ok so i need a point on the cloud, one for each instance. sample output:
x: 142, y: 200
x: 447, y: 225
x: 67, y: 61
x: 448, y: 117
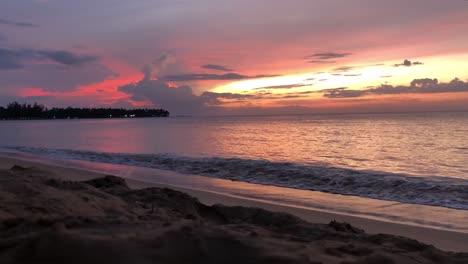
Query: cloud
x: 291, y: 96
x: 328, y: 55
x: 211, y: 98
x: 3, y: 38
x: 341, y: 92
x: 53, y: 77
x: 159, y: 93
x: 344, y: 68
x: 217, y: 67
x: 294, y: 95
x: 11, y: 59
x: 67, y: 58
x: 286, y: 86
x: 417, y: 86
x: 176, y: 99
x: 352, y: 75
x: 162, y: 63
x: 203, y: 76
x: 408, y: 63
x: 17, y: 24
x: 320, y: 62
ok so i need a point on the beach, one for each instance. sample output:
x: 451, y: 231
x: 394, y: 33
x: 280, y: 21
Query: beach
x: 233, y: 132
x: 32, y: 171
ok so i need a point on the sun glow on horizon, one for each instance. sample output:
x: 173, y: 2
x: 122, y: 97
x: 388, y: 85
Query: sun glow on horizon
x: 356, y: 77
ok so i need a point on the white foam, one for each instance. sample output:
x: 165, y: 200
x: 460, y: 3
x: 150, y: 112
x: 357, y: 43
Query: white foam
x: 436, y: 191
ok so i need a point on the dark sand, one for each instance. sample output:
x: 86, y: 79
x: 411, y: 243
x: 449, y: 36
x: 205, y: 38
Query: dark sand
x: 45, y: 219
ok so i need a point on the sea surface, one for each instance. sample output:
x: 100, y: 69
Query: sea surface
x: 413, y: 158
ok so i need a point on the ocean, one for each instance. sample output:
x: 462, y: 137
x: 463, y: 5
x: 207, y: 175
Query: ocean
x: 409, y: 158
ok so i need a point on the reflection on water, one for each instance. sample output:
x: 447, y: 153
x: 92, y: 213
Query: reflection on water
x: 421, y: 144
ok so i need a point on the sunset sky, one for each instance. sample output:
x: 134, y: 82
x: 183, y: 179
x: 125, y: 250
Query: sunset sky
x: 213, y: 57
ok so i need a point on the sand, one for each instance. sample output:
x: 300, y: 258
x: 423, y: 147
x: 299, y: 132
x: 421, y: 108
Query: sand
x: 49, y: 215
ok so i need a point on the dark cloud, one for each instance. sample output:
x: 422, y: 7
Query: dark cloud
x: 328, y: 55
x: 211, y: 98
x: 18, y: 58
x: 67, y: 58
x: 386, y: 76
x: 10, y: 59
x: 217, y: 67
x: 295, y: 95
x: 53, y: 77
x: 320, y: 62
x: 341, y: 92
x: 3, y: 38
x: 286, y: 86
x: 344, y: 68
x: 178, y: 99
x: 291, y: 96
x: 182, y: 100
x: 417, y: 86
x: 17, y: 24
x: 408, y: 63
x: 203, y: 76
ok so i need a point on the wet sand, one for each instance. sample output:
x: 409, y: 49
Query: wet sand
x: 34, y: 177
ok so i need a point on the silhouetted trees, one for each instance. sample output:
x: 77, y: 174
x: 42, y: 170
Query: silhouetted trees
x: 15, y: 110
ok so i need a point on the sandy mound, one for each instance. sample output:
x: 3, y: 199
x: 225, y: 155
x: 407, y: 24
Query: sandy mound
x: 47, y: 220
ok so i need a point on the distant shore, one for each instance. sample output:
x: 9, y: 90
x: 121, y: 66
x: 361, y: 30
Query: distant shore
x: 83, y: 118
x: 25, y: 111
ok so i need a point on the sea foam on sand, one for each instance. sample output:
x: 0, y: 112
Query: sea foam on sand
x: 46, y: 219
x: 435, y: 190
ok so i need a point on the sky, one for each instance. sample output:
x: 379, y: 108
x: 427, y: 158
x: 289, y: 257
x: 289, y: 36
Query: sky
x: 210, y: 57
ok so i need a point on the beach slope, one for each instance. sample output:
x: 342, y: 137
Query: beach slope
x: 47, y: 219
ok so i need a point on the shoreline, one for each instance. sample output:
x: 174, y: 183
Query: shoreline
x: 432, y: 217
x: 85, y: 118
x: 443, y: 239
x: 393, y: 187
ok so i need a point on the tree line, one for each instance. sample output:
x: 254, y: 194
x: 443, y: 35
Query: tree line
x: 17, y: 111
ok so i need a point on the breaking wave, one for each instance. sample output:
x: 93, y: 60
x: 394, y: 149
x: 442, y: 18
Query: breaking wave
x: 435, y: 191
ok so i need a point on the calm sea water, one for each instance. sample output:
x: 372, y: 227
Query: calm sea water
x: 416, y: 158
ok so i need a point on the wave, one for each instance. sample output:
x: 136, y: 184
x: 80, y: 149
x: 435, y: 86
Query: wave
x: 435, y: 191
